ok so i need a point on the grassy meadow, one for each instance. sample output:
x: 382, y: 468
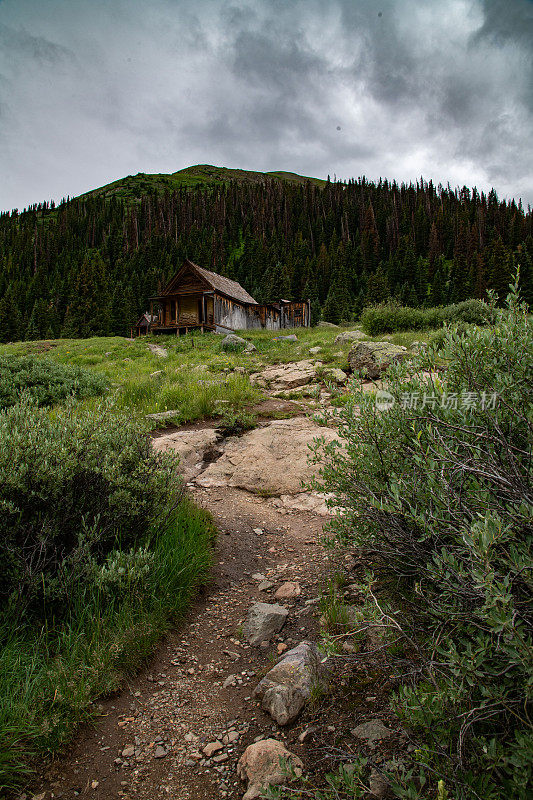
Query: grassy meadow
x: 198, y: 379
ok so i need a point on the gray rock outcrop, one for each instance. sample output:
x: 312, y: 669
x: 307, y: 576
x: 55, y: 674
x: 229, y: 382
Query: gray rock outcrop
x: 272, y: 460
x: 264, y: 620
x: 348, y: 337
x: 371, y: 359
x: 285, y: 690
x: 232, y: 342
x: 192, y: 448
x: 261, y: 765
x: 285, y: 376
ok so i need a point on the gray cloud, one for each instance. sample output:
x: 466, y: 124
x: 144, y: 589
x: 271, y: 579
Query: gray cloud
x: 92, y: 92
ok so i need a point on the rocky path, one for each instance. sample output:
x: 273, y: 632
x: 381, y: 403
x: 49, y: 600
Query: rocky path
x: 179, y: 728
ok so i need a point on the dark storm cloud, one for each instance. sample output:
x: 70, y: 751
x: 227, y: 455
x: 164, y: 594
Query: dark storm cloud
x: 93, y: 91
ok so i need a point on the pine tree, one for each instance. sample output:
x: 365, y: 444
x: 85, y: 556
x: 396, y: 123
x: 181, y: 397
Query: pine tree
x: 11, y: 324
x: 89, y: 312
x: 377, y: 289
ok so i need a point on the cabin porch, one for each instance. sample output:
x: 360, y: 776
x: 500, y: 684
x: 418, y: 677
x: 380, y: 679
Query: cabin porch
x: 180, y: 313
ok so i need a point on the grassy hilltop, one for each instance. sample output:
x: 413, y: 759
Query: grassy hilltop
x: 133, y: 187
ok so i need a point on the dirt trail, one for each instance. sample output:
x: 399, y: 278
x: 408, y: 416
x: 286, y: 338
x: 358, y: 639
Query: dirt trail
x: 148, y: 742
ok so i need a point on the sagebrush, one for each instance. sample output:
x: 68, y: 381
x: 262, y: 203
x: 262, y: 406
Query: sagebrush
x: 45, y: 381
x: 73, y: 487
x: 438, y: 493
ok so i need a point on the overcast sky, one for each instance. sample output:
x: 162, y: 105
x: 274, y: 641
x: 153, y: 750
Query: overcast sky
x: 93, y: 90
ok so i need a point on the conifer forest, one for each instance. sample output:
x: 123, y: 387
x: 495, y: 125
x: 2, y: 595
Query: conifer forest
x: 87, y: 266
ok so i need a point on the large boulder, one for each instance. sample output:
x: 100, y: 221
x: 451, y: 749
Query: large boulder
x: 271, y: 461
x: 371, y: 359
x: 233, y: 342
x: 262, y: 765
x: 326, y: 325
x: 193, y: 448
x: 285, y: 690
x: 285, y: 376
x: 348, y: 337
x: 264, y: 620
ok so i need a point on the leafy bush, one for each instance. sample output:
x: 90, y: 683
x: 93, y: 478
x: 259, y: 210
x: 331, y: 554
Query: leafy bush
x: 392, y: 318
x: 45, y: 381
x: 73, y: 488
x: 438, y: 492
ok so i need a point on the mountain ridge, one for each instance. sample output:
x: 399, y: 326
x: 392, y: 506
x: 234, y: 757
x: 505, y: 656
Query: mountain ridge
x: 133, y: 187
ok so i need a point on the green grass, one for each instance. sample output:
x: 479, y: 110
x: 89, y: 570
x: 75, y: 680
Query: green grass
x: 50, y: 677
x: 197, y: 379
x: 132, y: 187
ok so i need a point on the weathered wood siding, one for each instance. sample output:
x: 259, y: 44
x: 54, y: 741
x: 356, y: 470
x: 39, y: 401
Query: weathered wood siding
x: 188, y: 309
x: 231, y: 314
x: 295, y: 315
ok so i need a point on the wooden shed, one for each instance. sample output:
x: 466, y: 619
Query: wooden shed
x: 196, y: 298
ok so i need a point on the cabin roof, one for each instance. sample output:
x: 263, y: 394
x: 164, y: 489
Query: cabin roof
x: 225, y: 285
x: 145, y: 319
x: 219, y: 283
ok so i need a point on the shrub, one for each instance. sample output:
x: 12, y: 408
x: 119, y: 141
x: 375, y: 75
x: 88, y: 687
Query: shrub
x: 45, y: 381
x: 439, y: 494
x: 233, y: 421
x: 73, y: 488
x: 49, y: 676
x: 392, y: 318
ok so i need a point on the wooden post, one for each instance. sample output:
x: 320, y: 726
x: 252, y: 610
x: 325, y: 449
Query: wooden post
x: 151, y: 316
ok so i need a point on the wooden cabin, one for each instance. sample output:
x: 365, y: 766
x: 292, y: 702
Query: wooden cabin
x: 196, y: 298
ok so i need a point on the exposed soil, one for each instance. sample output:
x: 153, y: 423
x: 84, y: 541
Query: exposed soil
x: 180, y: 696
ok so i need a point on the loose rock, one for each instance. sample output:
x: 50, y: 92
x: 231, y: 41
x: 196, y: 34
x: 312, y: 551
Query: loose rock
x: 287, y: 687
x: 287, y: 591
x: 212, y: 748
x: 261, y: 766
x: 378, y: 785
x: 263, y: 622
x: 285, y: 376
x: 337, y: 376
x: 162, y: 352
x: 231, y: 342
x: 372, y: 731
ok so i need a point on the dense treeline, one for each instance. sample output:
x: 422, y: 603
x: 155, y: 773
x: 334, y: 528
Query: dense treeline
x: 88, y: 265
